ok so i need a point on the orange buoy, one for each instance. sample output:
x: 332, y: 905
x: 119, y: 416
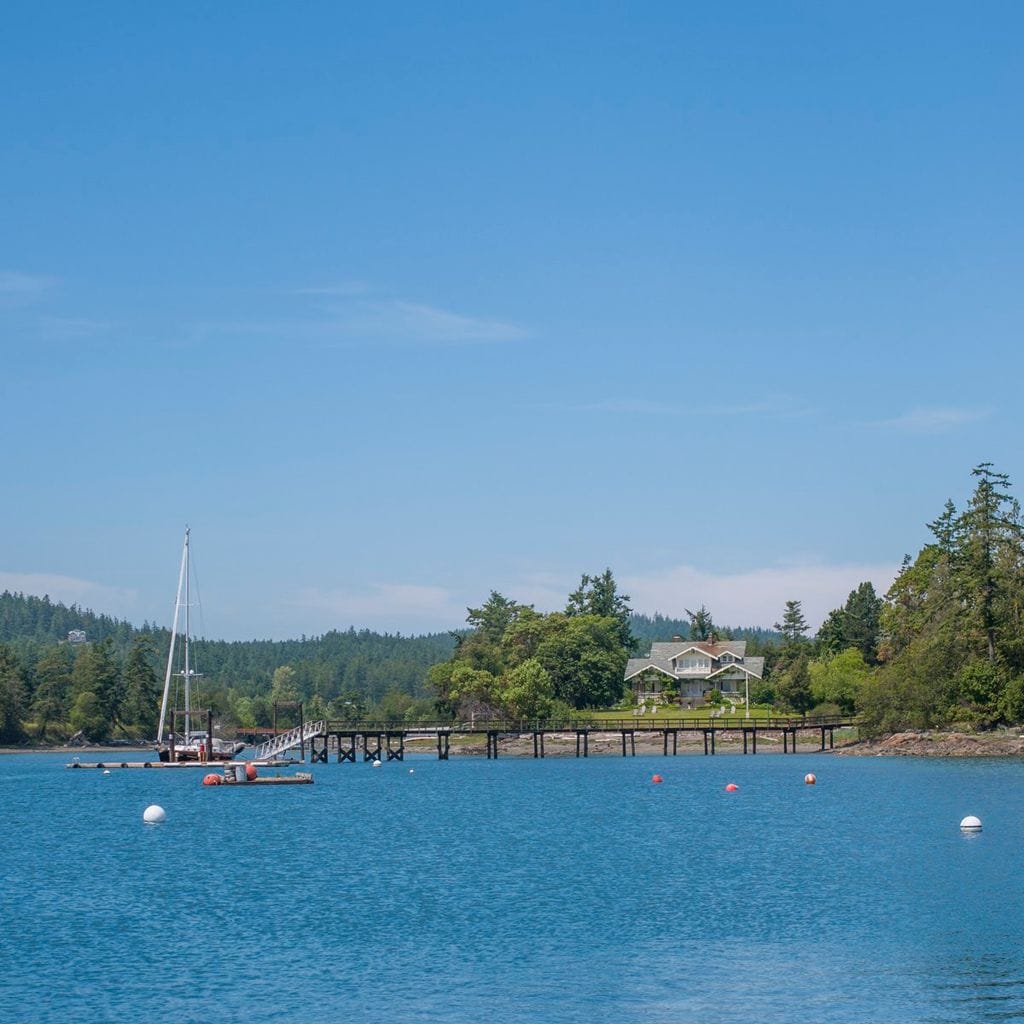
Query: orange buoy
x: 731, y: 788
x: 250, y: 771
x: 656, y: 778
x: 810, y: 779
x: 212, y: 780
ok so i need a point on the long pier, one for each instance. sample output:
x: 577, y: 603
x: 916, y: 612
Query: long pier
x: 386, y: 741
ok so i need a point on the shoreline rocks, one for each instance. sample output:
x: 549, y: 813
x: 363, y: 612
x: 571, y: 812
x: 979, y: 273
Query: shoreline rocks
x: 937, y: 743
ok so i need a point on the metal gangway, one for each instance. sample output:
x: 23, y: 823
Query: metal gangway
x: 296, y: 737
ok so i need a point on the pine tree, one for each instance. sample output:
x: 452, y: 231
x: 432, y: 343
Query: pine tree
x: 53, y: 687
x: 141, y: 686
x: 701, y: 626
x: 598, y: 595
x: 793, y: 626
x: 12, y: 697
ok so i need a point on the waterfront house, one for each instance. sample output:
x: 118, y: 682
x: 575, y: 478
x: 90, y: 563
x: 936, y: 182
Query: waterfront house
x: 691, y: 669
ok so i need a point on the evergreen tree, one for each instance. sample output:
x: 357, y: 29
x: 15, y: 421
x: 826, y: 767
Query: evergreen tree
x: 96, y: 672
x: 854, y: 625
x: 952, y: 641
x: 53, y: 688
x: 701, y: 626
x: 598, y: 595
x: 141, y: 687
x: 793, y: 626
x: 12, y: 697
x: 990, y: 540
x: 793, y: 687
x: 496, y: 615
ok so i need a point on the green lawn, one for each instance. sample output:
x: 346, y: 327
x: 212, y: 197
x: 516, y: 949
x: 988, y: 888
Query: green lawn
x: 673, y: 713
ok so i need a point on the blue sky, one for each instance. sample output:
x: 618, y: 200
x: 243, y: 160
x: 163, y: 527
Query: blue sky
x: 398, y: 305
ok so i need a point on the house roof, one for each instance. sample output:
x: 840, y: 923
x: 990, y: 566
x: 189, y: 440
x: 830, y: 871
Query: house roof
x: 668, y: 651
x: 637, y: 665
x: 751, y: 666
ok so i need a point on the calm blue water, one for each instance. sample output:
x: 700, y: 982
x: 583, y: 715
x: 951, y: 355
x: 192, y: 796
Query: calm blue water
x: 517, y: 890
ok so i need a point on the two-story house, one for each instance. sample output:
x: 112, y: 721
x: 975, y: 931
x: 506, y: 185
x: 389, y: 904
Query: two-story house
x: 692, y: 669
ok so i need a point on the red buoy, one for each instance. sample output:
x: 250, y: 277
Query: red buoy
x: 810, y: 779
x: 656, y: 778
x: 212, y: 780
x: 731, y: 788
x: 250, y: 772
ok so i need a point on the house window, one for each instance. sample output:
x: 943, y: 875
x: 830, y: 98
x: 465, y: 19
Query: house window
x: 693, y: 663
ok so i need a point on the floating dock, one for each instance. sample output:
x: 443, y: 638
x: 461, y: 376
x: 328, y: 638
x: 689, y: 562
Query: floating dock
x: 205, y: 765
x: 298, y: 779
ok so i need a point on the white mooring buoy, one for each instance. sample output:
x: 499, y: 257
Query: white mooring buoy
x: 154, y: 814
x: 376, y: 764
x: 970, y: 824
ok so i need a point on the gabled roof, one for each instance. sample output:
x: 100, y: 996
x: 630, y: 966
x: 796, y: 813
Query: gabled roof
x: 751, y: 666
x: 637, y: 665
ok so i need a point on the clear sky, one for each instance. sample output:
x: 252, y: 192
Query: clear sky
x: 398, y: 303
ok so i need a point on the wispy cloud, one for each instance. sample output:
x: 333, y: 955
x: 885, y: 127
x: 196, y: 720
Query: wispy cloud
x: 14, y: 283
x: 342, y: 289
x: 117, y: 601
x: 755, y: 597
x: 59, y: 328
x: 933, y: 421
x: 386, y: 606
x: 411, y: 321
x: 17, y: 289
x: 354, y: 320
x: 778, y: 407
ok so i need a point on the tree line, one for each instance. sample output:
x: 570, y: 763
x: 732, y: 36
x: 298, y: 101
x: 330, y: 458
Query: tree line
x: 944, y: 646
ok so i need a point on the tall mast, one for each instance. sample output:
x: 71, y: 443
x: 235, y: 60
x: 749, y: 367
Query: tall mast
x: 188, y: 674
x: 182, y: 573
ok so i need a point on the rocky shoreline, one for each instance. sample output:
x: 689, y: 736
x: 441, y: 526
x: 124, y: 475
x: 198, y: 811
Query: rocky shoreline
x: 935, y: 743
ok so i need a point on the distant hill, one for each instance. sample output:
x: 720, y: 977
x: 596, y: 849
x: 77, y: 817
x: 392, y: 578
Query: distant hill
x: 359, y: 661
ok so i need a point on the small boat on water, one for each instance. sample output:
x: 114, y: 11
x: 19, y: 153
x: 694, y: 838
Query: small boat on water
x: 190, y: 744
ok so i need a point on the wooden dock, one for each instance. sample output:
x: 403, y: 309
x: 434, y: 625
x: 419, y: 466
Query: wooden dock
x: 377, y: 741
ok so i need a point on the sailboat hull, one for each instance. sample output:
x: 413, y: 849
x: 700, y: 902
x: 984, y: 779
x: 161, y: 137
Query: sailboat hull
x: 227, y: 751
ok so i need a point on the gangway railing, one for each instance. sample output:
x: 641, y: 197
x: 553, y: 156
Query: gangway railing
x: 296, y: 737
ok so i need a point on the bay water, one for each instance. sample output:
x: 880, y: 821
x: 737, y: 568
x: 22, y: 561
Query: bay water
x: 555, y: 890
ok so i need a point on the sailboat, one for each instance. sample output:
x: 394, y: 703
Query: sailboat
x: 191, y: 744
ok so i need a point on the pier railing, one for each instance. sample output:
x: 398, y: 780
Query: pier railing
x: 284, y: 742
x: 639, y: 723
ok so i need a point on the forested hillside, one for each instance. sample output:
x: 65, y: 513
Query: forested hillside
x: 68, y: 669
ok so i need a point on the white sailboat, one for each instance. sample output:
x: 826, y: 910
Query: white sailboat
x: 191, y: 744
